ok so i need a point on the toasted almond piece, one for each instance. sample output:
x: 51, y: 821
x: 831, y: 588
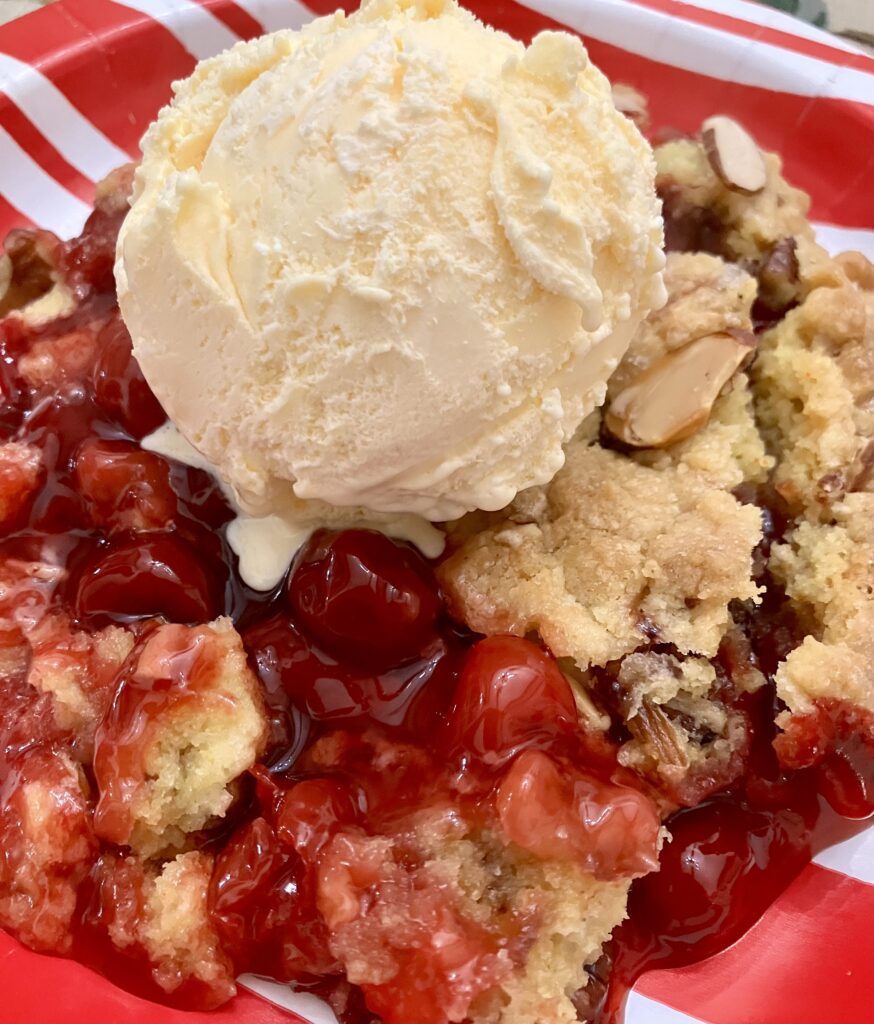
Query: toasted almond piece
x: 31, y: 268
x: 863, y: 470
x: 5, y: 275
x: 858, y: 269
x: 734, y: 155
x: 630, y: 102
x: 58, y: 301
x: 673, y: 398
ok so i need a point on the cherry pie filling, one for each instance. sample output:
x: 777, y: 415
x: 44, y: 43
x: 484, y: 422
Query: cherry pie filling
x: 380, y: 709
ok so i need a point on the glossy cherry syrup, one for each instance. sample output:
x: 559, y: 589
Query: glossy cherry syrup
x: 730, y: 857
x: 379, y: 707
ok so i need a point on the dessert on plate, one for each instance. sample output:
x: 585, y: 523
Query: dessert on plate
x: 492, y: 618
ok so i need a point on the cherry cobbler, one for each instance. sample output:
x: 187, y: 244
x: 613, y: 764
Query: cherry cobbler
x: 495, y: 788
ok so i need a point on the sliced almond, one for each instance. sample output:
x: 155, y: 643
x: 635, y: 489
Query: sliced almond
x: 652, y: 727
x: 630, y: 102
x: 858, y: 269
x: 28, y: 268
x: 734, y: 155
x: 778, y: 276
x: 673, y: 398
x: 863, y: 470
x: 5, y: 275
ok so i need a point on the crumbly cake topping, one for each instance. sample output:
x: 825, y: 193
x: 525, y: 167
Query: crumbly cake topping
x: 702, y: 213
x: 160, y: 912
x: 683, y: 735
x: 814, y: 380
x: 827, y: 569
x: 706, y: 295
x: 620, y: 554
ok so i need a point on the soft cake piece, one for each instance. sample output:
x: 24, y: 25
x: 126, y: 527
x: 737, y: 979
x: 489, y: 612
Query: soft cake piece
x: 576, y: 916
x: 618, y: 555
x: 828, y: 571
x: 814, y: 380
x: 163, y: 913
x: 185, y: 723
x: 176, y: 931
x: 79, y: 670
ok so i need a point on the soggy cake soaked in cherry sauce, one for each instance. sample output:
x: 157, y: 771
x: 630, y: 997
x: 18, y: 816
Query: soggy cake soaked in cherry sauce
x: 495, y: 788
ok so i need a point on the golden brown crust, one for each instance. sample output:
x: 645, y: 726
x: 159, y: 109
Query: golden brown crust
x: 620, y: 553
x: 814, y: 382
x: 828, y: 572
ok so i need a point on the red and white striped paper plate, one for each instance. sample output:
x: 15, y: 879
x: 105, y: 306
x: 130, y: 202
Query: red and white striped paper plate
x: 80, y: 81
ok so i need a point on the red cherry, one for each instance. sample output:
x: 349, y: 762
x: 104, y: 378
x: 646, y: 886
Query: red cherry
x: 119, y: 384
x: 21, y: 471
x: 151, y: 575
x: 243, y: 874
x: 846, y: 780
x: 364, y: 598
x: 311, y: 812
x: 124, y: 487
x: 511, y: 695
x: 407, y: 697
x: 88, y: 260
x: 262, y: 903
x: 564, y: 814
x: 725, y: 863
x: 57, y: 425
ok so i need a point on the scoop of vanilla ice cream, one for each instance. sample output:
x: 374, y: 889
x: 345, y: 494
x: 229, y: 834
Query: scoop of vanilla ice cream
x: 388, y: 261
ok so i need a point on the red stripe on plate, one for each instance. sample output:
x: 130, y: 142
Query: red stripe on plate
x: 83, y: 997
x: 240, y: 22
x: 35, y: 144
x: 321, y: 7
x: 138, y: 60
x: 114, y: 64
x: 753, y: 30
x: 809, y: 960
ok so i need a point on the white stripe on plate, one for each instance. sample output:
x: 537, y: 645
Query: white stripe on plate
x: 36, y: 194
x: 758, y: 14
x: 707, y: 51
x: 48, y: 109
x: 276, y: 14
x: 199, y: 31
x: 854, y: 857
x: 640, y: 1010
x: 838, y: 239
x: 308, y: 1006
